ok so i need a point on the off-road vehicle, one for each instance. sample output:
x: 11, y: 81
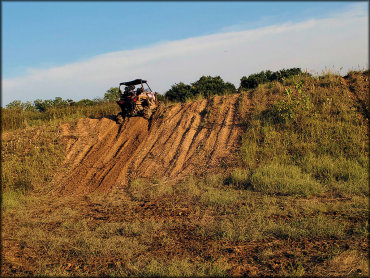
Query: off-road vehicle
x: 138, y: 101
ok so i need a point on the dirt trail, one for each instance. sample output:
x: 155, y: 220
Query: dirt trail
x: 182, y: 139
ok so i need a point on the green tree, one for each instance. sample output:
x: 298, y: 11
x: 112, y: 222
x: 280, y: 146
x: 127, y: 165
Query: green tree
x: 206, y: 86
x: 42, y: 105
x: 179, y: 92
x: 253, y: 80
x: 16, y: 104
x: 28, y: 106
x: 112, y: 94
x: 59, y: 102
x: 209, y: 86
x: 85, y: 102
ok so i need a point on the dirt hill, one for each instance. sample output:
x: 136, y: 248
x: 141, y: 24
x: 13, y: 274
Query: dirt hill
x: 182, y: 139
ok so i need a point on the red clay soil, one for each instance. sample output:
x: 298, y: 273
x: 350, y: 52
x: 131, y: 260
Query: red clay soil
x: 182, y: 139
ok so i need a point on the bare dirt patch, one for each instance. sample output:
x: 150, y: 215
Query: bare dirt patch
x: 191, y: 138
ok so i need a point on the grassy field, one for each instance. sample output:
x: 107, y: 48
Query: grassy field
x: 297, y: 205
x: 13, y: 119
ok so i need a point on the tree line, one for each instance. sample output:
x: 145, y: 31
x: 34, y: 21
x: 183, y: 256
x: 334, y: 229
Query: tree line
x: 206, y: 87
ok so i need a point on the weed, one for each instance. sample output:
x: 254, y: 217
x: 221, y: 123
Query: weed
x: 189, y: 187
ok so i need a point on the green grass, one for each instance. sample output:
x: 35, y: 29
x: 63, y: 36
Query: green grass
x: 282, y: 179
x: 306, y: 136
x: 347, y: 176
x: 239, y: 178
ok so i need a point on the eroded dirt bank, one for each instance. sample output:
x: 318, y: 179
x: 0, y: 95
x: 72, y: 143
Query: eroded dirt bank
x: 182, y: 139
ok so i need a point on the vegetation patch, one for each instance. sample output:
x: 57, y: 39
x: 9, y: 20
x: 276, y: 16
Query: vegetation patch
x: 313, y: 132
x: 29, y: 160
x: 282, y: 179
x: 206, y: 87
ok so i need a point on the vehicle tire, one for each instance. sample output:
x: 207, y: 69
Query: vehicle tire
x: 147, y: 113
x: 119, y: 119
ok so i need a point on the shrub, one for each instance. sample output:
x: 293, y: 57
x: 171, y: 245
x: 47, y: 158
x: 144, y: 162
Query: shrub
x: 209, y: 86
x: 206, y: 86
x: 295, y: 103
x: 179, y: 92
x: 253, y: 80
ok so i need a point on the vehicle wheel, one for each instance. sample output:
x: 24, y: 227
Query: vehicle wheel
x: 147, y: 113
x: 119, y: 119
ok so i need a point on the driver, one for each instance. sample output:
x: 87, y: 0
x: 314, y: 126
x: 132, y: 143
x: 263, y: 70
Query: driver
x: 131, y: 89
x: 140, y: 91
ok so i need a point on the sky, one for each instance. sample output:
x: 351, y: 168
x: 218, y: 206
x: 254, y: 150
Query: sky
x: 79, y: 50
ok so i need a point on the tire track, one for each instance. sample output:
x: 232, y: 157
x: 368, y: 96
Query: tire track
x: 181, y: 140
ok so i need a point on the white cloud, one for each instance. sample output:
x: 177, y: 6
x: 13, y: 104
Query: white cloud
x: 339, y: 41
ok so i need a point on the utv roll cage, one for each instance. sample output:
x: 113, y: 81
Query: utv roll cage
x: 134, y: 82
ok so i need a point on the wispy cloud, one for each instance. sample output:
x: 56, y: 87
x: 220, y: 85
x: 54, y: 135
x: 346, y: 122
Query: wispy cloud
x: 339, y: 41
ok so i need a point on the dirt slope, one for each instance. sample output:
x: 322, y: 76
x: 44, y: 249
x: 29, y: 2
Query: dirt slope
x: 182, y: 139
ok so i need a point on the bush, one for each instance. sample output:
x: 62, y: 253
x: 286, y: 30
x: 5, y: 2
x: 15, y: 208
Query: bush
x: 295, y: 103
x: 179, y: 92
x: 206, y: 86
x: 16, y: 104
x: 253, y: 80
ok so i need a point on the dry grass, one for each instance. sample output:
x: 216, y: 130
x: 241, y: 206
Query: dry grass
x: 13, y: 119
x: 348, y: 263
x: 30, y: 158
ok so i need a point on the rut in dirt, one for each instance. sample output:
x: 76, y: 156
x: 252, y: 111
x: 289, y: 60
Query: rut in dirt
x: 183, y: 139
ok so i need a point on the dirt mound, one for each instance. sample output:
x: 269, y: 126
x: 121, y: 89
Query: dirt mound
x: 182, y: 139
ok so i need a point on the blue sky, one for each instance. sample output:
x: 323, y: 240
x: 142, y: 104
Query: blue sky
x: 46, y: 34
x: 44, y: 37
